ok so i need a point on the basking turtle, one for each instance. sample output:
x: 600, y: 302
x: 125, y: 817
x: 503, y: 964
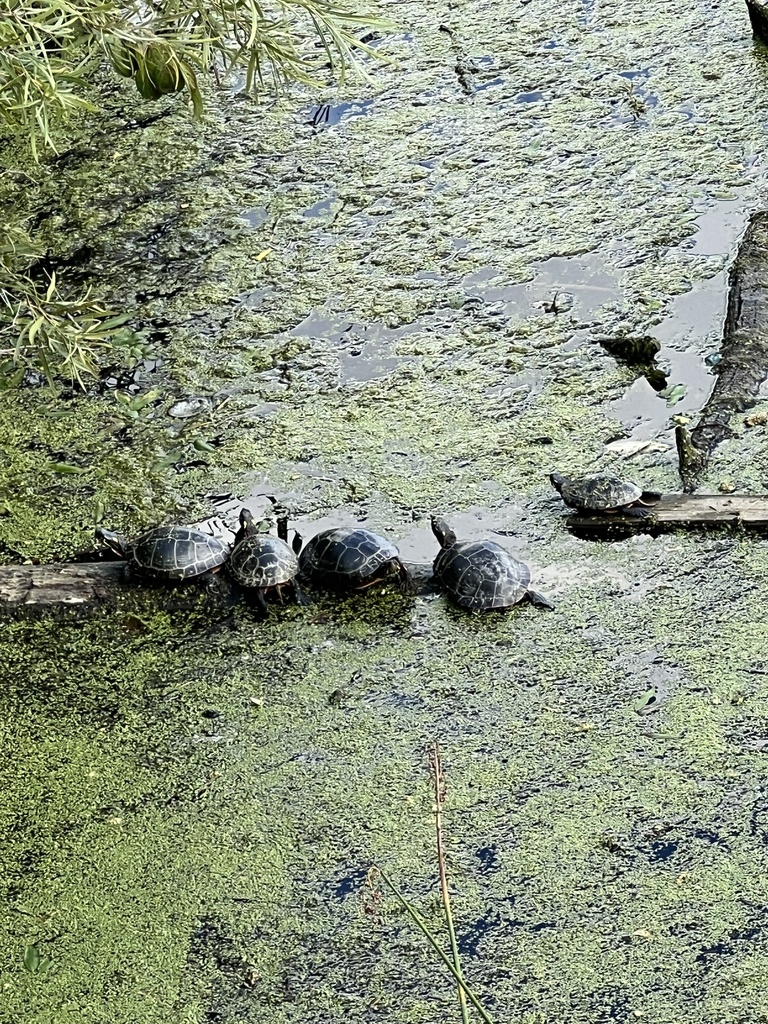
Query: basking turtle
x: 169, y: 552
x: 481, y: 575
x: 601, y: 492
x: 262, y: 563
x: 350, y: 558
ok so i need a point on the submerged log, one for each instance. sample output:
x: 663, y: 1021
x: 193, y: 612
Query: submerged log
x: 744, y: 350
x: 27, y: 591
x: 679, y: 511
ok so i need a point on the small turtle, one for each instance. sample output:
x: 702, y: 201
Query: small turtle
x: 349, y: 558
x: 262, y: 563
x: 169, y: 552
x: 481, y: 575
x: 601, y: 492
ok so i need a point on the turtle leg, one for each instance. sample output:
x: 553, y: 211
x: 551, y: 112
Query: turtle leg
x: 638, y: 512
x: 298, y: 594
x: 282, y: 528
x: 539, y: 601
x: 258, y: 602
x: 404, y: 578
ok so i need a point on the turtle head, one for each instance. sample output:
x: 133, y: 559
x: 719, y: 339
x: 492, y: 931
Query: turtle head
x: 247, y: 525
x: 443, y: 532
x: 558, y: 481
x: 114, y: 541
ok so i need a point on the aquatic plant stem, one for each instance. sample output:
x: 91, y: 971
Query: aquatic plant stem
x: 429, y: 935
x: 438, y: 780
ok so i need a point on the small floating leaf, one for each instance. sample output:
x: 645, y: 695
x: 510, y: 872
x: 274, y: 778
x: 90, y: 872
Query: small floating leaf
x: 142, y: 400
x: 65, y: 467
x: 31, y: 959
x: 202, y: 446
x: 647, y: 703
x: 189, y: 407
x: 673, y: 394
x: 263, y: 255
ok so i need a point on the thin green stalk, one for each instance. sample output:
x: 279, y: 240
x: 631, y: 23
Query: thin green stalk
x: 424, y: 927
x: 439, y: 783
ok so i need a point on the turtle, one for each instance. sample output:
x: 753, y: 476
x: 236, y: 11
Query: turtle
x: 601, y: 492
x: 351, y: 558
x: 262, y: 563
x: 481, y: 575
x: 169, y: 552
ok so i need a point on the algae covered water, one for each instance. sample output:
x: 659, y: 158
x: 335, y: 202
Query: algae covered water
x: 389, y: 311
x: 189, y: 816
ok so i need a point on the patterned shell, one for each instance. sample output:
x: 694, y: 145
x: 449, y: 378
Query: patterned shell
x: 599, y: 491
x: 347, y: 557
x: 176, y: 553
x: 262, y: 561
x: 482, y: 575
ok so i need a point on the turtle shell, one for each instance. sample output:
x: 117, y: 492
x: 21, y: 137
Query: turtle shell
x: 262, y: 561
x: 349, y: 558
x: 482, y: 575
x: 176, y: 553
x: 599, y: 492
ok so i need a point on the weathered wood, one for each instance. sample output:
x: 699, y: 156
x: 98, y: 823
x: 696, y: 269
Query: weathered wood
x: 27, y: 591
x: 673, y: 511
x: 744, y: 351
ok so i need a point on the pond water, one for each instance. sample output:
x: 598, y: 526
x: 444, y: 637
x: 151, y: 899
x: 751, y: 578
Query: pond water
x: 389, y: 311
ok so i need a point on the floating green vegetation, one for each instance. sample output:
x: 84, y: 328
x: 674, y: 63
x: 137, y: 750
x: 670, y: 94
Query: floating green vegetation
x: 68, y: 466
x: 190, y: 812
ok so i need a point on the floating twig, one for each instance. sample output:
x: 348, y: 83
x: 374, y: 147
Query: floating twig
x: 438, y: 780
x: 419, y: 921
x: 453, y: 963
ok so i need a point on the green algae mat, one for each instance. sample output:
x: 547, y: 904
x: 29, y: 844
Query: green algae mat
x: 189, y: 815
x: 190, y: 808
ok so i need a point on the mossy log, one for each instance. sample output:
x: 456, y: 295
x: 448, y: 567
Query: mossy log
x: 28, y: 591
x: 744, y: 350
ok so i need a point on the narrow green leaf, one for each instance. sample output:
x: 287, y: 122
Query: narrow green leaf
x: 31, y: 959
x: 202, y: 446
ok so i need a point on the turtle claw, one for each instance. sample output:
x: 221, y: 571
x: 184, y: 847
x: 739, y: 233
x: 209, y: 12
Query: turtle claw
x: 639, y: 512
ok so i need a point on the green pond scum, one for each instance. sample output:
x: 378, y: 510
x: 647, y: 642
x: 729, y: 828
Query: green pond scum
x: 191, y: 804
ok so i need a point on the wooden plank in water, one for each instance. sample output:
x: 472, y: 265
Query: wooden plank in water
x: 685, y: 511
